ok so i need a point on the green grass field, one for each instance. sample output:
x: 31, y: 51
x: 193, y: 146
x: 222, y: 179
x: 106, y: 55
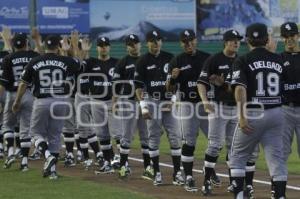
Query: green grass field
x: 30, y: 185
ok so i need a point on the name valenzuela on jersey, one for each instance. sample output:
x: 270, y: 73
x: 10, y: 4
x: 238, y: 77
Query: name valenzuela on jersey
x: 50, y: 63
x: 265, y: 64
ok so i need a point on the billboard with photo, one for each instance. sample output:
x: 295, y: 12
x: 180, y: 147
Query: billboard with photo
x: 15, y: 14
x: 214, y: 17
x: 118, y: 18
x: 63, y: 16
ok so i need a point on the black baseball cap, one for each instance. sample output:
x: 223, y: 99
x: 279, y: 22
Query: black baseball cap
x: 288, y: 29
x: 187, y: 35
x: 19, y: 40
x: 232, y: 35
x: 131, y: 39
x: 52, y: 41
x: 103, y: 41
x: 257, y: 31
x: 153, y: 36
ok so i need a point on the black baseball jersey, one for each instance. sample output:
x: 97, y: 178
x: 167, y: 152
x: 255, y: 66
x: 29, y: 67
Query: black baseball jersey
x: 2, y: 55
x: 101, y: 78
x: 151, y: 74
x: 48, y: 73
x: 291, y: 84
x: 13, y: 66
x: 218, y: 64
x: 190, y: 67
x: 261, y: 73
x: 124, y: 73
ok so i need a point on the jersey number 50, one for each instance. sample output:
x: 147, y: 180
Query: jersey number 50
x: 47, y: 77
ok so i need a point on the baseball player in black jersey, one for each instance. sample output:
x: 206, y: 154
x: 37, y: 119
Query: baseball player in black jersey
x: 222, y: 111
x: 150, y: 78
x: 2, y: 103
x: 256, y: 79
x: 47, y: 74
x: 184, y: 72
x: 124, y: 97
x: 13, y: 65
x: 100, y: 78
x: 291, y: 86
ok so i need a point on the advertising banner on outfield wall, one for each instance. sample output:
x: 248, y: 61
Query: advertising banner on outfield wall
x: 118, y: 18
x: 62, y: 16
x: 15, y: 13
x: 214, y: 17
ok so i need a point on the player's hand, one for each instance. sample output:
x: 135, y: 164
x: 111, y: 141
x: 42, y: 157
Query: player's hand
x: 1, y: 108
x: 272, y: 44
x: 146, y: 114
x: 217, y: 80
x: 65, y: 43
x: 15, y: 107
x: 208, y: 108
x: 6, y: 33
x: 244, y: 125
x: 74, y: 39
x: 35, y: 34
x: 86, y: 44
x: 114, y: 109
x: 175, y: 73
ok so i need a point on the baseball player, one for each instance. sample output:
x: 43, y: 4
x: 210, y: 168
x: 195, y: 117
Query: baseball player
x: 150, y: 78
x: 100, y: 78
x: 124, y: 93
x: 184, y: 72
x: 256, y: 79
x: 222, y: 111
x: 12, y: 66
x: 291, y: 87
x: 47, y: 73
x: 2, y: 102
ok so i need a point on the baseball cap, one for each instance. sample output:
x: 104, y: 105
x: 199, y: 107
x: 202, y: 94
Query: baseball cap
x: 289, y: 29
x: 187, y: 35
x: 132, y: 39
x: 257, y: 31
x: 19, y: 40
x: 52, y: 41
x: 103, y: 41
x: 153, y: 36
x: 232, y: 35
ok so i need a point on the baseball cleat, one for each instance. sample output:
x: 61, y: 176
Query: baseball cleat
x: 178, y: 179
x: 249, y: 192
x: 50, y: 161
x: 105, y: 169
x: 157, y: 179
x: 215, y: 180
x: 69, y: 161
x: 24, y: 167
x: 272, y: 194
x: 87, y: 164
x: 100, y: 161
x: 190, y: 185
x: 124, y: 172
x: 206, y: 188
x: 53, y: 175
x: 230, y: 188
x: 9, y: 161
x: 116, y: 162
x: 148, y: 173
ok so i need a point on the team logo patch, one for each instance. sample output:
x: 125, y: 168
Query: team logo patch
x: 236, y: 74
x: 255, y: 34
x: 288, y: 27
x: 166, y: 68
x: 287, y: 63
x: 203, y: 74
x: 111, y: 72
x: 234, y: 32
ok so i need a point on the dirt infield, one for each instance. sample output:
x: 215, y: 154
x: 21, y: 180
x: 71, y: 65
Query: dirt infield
x: 168, y: 191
